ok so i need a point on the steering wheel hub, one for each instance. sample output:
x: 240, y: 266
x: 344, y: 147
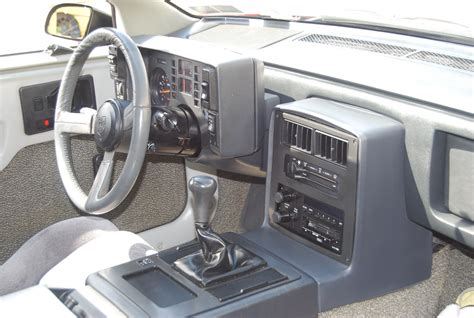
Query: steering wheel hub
x: 108, y: 127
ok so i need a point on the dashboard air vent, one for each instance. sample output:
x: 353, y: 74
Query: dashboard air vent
x: 297, y: 136
x: 358, y: 44
x: 393, y: 50
x: 442, y: 59
x: 330, y: 148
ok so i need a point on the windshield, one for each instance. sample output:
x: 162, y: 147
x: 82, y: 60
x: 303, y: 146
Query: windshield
x: 453, y: 18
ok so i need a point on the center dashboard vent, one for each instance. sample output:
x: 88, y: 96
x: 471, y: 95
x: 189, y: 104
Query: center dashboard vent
x: 315, y: 142
x: 330, y: 148
x: 297, y: 136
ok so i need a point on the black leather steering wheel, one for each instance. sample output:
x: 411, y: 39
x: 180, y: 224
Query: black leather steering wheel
x: 111, y: 121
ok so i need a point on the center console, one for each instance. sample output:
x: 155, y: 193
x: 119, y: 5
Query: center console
x: 212, y: 276
x: 335, y: 202
x: 153, y: 287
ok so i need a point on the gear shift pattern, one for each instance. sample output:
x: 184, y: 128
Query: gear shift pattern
x: 217, y: 259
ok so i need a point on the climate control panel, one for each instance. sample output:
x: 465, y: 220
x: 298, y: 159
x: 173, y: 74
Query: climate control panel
x: 312, y: 174
x: 311, y: 219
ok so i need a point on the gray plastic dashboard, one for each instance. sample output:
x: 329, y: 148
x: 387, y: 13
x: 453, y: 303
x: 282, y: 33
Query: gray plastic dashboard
x: 432, y: 98
x: 374, y: 59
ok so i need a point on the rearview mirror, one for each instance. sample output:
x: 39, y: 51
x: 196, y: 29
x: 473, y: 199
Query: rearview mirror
x: 75, y: 21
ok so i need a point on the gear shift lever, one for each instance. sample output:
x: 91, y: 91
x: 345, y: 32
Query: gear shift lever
x: 217, y: 259
x: 203, y: 189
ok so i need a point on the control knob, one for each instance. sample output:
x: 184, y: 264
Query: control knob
x: 281, y: 217
x: 296, y: 171
x: 283, y: 196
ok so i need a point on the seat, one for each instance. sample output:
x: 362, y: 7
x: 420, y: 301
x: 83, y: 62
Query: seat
x: 65, y: 253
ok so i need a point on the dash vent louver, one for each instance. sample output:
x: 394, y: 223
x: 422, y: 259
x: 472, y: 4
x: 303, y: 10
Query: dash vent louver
x: 443, y: 59
x: 297, y: 136
x: 330, y: 148
x: 389, y: 49
x: 358, y: 44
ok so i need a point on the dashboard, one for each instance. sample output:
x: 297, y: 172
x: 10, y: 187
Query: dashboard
x: 225, y: 92
x: 426, y: 85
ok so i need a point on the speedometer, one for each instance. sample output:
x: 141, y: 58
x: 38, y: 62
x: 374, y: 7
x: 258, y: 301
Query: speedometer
x: 160, y: 87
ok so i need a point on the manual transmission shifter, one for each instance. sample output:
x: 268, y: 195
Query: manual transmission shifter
x: 217, y: 260
x: 203, y: 189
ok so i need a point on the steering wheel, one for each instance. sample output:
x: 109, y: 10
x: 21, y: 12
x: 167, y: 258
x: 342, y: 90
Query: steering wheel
x: 113, y: 120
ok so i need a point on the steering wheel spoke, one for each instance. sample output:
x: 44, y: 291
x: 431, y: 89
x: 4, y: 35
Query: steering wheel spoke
x: 76, y: 123
x: 128, y: 116
x: 103, y: 178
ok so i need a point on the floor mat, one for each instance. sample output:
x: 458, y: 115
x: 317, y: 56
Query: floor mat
x: 453, y: 271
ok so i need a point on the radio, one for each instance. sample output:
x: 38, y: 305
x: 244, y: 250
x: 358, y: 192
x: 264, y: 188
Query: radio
x: 314, y: 220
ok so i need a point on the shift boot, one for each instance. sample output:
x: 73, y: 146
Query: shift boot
x: 216, y: 260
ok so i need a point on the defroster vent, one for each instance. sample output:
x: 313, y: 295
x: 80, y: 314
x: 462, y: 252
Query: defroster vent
x: 330, y: 148
x: 297, y: 136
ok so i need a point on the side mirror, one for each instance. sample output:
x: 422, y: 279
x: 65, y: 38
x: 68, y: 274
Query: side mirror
x: 75, y: 21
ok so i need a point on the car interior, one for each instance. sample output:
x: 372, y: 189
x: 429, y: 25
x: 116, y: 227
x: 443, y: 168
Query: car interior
x: 178, y: 165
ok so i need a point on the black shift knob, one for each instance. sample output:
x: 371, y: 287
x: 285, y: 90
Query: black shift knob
x: 203, y: 189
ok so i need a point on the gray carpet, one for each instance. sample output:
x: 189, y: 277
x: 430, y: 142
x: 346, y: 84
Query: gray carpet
x: 233, y: 191
x: 453, y: 271
x: 459, y: 276
x: 32, y: 195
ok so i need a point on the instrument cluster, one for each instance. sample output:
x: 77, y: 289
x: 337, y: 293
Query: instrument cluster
x: 206, y: 103
x: 175, y: 80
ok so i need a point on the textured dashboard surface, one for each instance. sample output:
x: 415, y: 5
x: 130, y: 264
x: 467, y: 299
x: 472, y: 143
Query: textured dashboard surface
x: 249, y: 37
x: 32, y: 195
